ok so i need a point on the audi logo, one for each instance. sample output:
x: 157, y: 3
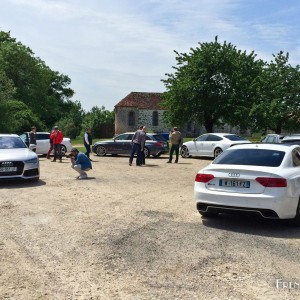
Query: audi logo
x: 234, y: 174
x: 7, y: 164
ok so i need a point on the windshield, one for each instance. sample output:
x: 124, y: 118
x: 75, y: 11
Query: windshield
x: 11, y: 142
x: 159, y: 138
x: 251, y: 157
x: 234, y: 137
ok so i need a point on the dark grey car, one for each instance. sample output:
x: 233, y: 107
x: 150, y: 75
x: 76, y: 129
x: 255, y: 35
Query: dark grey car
x: 121, y: 144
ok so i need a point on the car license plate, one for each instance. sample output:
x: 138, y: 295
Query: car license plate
x: 8, y: 169
x: 234, y: 183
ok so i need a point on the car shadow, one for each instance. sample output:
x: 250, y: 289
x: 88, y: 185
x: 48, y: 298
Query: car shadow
x: 254, y: 225
x: 12, y: 184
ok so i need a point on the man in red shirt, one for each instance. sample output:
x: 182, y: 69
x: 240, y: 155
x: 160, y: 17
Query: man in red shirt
x: 57, y: 137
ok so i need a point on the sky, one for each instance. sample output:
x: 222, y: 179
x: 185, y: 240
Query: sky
x: 110, y: 48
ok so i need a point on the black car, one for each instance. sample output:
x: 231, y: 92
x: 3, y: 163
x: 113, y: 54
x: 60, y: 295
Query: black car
x: 121, y: 144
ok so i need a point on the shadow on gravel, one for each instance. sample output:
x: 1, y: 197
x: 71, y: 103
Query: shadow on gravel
x: 13, y: 184
x: 254, y: 225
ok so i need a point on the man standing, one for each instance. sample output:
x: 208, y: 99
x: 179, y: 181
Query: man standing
x: 138, y: 144
x: 80, y: 163
x: 32, y: 137
x: 87, y: 140
x: 176, y: 141
x: 57, y: 137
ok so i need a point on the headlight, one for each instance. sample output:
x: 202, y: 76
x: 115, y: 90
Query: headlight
x: 31, y: 161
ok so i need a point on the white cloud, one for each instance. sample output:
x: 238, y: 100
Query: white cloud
x: 110, y: 48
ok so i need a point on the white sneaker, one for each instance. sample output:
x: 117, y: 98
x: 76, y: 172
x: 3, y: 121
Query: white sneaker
x: 82, y: 177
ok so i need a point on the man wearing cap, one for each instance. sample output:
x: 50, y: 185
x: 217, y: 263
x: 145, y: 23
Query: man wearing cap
x: 176, y: 141
x: 80, y: 163
x: 57, y: 137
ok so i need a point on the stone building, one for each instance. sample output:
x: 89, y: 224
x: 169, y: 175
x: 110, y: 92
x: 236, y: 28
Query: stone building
x: 137, y: 109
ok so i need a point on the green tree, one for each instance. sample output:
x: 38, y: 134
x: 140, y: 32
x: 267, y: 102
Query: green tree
x: 44, y: 91
x: 97, y: 118
x: 6, y: 94
x: 71, y: 122
x: 211, y: 84
x: 278, y: 95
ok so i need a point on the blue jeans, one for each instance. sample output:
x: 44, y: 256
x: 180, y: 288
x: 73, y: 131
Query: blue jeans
x: 136, y: 148
x: 176, y: 149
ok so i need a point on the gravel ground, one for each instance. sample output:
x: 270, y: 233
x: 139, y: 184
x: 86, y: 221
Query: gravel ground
x: 134, y: 233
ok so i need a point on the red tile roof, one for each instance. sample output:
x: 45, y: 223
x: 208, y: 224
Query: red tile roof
x: 142, y: 100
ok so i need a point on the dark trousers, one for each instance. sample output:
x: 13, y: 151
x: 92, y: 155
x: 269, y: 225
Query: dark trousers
x: 88, y: 150
x: 176, y: 149
x: 50, y: 150
x: 136, y: 148
x: 57, y: 151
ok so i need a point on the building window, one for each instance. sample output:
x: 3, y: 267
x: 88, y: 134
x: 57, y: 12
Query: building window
x: 155, y: 118
x: 131, y: 118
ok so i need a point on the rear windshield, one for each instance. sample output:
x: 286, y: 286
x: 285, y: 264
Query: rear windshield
x: 159, y: 138
x: 10, y: 142
x: 234, y: 137
x: 251, y: 157
x: 291, y: 142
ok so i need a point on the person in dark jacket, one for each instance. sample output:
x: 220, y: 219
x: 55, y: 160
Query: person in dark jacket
x: 138, y: 144
x: 32, y: 137
x: 87, y: 140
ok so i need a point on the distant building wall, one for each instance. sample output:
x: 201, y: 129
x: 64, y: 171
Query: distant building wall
x: 142, y: 117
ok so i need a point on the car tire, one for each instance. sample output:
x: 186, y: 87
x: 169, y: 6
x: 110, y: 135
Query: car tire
x: 208, y: 214
x: 184, y: 152
x: 63, y: 150
x: 101, y: 151
x: 217, y: 152
x: 146, y: 152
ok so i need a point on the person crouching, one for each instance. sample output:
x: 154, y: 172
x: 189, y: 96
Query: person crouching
x: 80, y: 163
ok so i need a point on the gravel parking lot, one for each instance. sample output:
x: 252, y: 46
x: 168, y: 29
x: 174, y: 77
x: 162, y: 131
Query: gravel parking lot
x: 134, y: 233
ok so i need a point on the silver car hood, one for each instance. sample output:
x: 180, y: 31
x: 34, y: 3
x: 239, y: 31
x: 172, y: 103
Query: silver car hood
x: 16, y: 154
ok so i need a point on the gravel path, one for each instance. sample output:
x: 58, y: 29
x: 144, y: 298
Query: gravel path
x: 134, y: 233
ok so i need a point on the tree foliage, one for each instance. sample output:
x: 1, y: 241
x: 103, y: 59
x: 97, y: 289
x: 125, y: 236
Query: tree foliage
x: 97, y: 118
x: 44, y: 92
x: 211, y: 84
x: 277, y: 103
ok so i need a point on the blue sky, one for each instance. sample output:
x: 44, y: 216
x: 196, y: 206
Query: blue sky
x: 110, y: 48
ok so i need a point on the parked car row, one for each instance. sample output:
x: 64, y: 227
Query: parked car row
x: 281, y: 138
x: 43, y: 143
x: 155, y: 145
x: 259, y: 178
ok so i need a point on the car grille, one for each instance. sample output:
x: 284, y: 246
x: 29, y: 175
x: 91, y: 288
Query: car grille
x: 32, y: 172
x: 18, y: 164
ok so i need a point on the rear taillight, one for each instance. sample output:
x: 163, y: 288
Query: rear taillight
x: 271, y: 182
x: 159, y: 144
x: 204, y: 177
